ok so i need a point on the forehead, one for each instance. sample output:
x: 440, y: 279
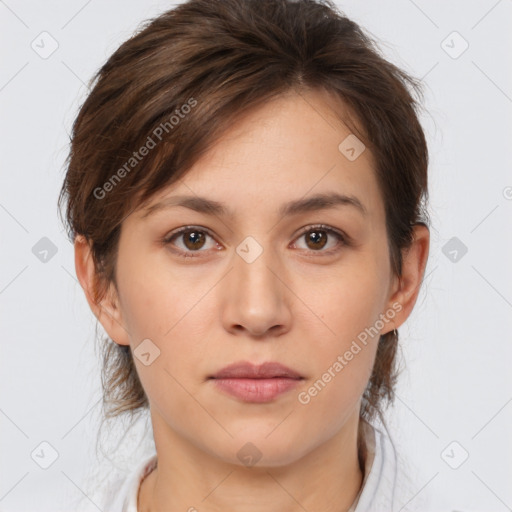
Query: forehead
x: 293, y: 147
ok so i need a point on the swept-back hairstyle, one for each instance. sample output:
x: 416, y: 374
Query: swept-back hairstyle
x: 169, y: 92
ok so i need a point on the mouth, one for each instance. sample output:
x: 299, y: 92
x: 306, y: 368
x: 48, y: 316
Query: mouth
x: 256, y: 383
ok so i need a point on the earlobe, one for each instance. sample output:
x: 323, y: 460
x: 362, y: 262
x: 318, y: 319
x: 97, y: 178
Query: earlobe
x: 414, y: 261
x: 105, y: 308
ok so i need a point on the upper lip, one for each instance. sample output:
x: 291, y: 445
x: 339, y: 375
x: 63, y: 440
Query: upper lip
x: 246, y: 370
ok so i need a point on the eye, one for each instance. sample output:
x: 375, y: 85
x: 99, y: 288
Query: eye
x: 317, y: 238
x: 192, y: 238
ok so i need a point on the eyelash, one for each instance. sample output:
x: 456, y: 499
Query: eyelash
x: 344, y: 240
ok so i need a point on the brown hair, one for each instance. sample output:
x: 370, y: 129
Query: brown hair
x: 189, y: 73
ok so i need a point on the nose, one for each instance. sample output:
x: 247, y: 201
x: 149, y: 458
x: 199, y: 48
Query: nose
x: 257, y: 300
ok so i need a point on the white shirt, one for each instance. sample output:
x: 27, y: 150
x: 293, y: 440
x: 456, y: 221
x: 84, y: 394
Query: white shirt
x: 385, y: 486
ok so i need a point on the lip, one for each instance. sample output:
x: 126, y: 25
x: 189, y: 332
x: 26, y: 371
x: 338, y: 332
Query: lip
x: 246, y: 370
x: 256, y: 383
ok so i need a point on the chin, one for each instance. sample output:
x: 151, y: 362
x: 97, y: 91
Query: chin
x: 255, y: 448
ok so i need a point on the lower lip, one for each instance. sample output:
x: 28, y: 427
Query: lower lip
x: 256, y: 390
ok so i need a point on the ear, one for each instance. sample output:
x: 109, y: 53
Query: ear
x: 106, y: 309
x: 406, y: 289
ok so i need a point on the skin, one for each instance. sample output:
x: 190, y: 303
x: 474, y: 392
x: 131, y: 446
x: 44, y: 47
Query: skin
x: 292, y: 304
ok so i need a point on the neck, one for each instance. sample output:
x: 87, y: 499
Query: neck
x: 328, y: 478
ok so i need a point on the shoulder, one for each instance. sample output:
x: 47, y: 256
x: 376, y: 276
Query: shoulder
x: 389, y: 485
x: 122, y: 495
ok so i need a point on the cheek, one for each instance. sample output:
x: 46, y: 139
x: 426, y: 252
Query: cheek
x: 168, y: 308
x: 156, y: 299
x: 333, y: 395
x: 341, y: 365
x: 349, y: 303
x: 344, y: 335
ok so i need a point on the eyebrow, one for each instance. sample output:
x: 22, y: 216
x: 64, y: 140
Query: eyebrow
x: 210, y: 207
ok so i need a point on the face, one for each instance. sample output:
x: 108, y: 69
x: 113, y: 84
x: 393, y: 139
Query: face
x: 310, y: 288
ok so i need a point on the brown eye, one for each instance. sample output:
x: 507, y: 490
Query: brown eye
x: 193, y: 240
x: 189, y: 240
x: 318, y: 237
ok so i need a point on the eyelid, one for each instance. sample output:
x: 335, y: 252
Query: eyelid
x: 310, y: 227
x: 179, y: 231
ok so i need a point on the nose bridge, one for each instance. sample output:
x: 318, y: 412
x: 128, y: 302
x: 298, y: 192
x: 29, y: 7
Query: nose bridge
x: 256, y: 300
x: 255, y: 263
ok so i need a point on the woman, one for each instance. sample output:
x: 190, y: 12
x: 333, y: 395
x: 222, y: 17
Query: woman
x: 246, y: 193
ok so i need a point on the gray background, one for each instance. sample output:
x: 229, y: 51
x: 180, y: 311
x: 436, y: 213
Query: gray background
x: 456, y: 350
